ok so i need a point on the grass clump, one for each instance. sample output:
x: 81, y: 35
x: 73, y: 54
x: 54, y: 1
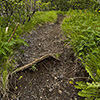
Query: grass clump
x: 40, y: 17
x: 82, y: 29
x: 61, y: 12
x: 7, y: 49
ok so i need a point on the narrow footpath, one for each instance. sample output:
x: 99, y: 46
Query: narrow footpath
x: 50, y: 80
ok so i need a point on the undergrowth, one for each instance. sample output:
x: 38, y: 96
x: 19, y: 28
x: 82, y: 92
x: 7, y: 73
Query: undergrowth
x: 7, y: 49
x: 40, y: 18
x: 82, y: 29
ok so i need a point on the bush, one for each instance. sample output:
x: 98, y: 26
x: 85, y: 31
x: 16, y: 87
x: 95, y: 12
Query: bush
x: 65, y: 5
x: 58, y: 4
x: 39, y: 17
x: 83, y: 4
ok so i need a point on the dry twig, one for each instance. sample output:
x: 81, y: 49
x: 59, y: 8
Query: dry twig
x: 34, y: 62
x: 13, y: 33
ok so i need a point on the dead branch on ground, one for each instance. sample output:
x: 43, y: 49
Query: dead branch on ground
x: 34, y: 62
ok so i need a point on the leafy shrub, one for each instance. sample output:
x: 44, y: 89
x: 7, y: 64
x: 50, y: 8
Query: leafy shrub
x: 40, y: 17
x: 58, y: 4
x: 83, y: 4
x: 82, y: 29
x: 6, y: 52
x: 59, y: 12
x: 16, y: 10
x: 65, y: 5
x: 89, y: 90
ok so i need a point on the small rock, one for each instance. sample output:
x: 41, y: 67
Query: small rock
x: 41, y: 97
x: 75, y: 98
x: 61, y: 76
x: 17, y: 98
x: 25, y: 55
x: 67, y: 92
x: 61, y: 80
x: 60, y: 92
x: 55, y: 77
x: 27, y: 97
x: 51, y: 90
x: 39, y: 44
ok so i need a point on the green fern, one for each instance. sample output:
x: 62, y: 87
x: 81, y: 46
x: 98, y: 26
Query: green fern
x: 88, y: 69
x: 83, y: 32
x: 89, y: 90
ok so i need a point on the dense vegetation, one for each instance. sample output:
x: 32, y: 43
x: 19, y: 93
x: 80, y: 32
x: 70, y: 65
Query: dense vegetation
x: 65, y: 5
x: 83, y: 31
x: 81, y: 27
x: 17, y: 17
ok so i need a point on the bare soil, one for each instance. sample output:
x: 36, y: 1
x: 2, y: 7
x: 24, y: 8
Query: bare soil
x: 50, y: 80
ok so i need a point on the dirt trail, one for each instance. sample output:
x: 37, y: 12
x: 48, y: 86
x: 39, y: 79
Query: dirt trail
x: 51, y: 80
x: 46, y: 39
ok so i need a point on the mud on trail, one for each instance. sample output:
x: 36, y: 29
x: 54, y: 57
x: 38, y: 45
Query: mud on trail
x: 50, y: 81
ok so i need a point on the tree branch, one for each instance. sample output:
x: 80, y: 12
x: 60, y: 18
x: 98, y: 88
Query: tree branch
x: 13, y: 33
x: 34, y: 62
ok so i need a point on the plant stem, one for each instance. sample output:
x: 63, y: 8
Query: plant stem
x: 82, y: 78
x: 13, y: 33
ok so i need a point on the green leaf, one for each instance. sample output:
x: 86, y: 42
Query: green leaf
x: 88, y: 69
x: 3, y: 52
x: 97, y: 99
x: 86, y: 94
x: 7, y: 48
x: 11, y: 43
x: 98, y: 72
x: 20, y: 77
x: 78, y: 87
x: 81, y: 85
x: 5, y: 73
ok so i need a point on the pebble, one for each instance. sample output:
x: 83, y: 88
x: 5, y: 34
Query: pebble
x: 55, y: 77
x: 60, y: 92
x: 61, y: 76
x: 25, y: 55
x: 39, y: 44
x: 50, y: 89
x: 27, y: 97
x: 75, y: 98
x: 41, y: 97
x: 67, y: 92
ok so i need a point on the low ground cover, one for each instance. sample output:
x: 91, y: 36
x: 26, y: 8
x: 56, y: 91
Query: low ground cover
x: 82, y: 29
